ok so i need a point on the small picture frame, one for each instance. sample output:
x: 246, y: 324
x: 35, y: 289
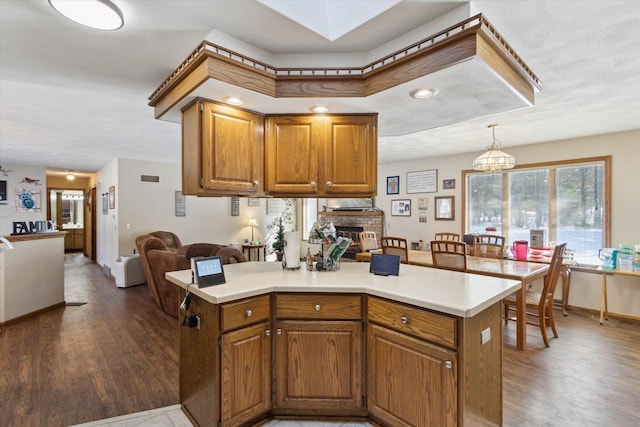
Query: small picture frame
x: 253, y: 202
x: 445, y: 209
x: 105, y: 203
x: 112, y: 197
x: 180, y: 204
x: 423, y: 203
x: 393, y: 185
x: 235, y: 206
x: 448, y: 184
x: 401, y: 207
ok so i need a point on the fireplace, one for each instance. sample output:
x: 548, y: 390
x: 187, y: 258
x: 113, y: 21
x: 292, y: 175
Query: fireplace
x: 352, y: 233
x: 352, y: 222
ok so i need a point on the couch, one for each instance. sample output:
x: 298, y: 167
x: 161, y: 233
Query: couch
x: 161, y: 252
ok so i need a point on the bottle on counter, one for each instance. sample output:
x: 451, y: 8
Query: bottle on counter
x: 309, y: 260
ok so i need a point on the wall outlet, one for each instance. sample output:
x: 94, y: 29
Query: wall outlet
x: 485, y: 336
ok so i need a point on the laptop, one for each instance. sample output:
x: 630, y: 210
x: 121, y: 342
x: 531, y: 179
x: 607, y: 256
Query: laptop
x: 384, y: 265
x: 208, y: 271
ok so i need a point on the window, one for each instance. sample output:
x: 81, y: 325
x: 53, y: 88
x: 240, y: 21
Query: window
x: 568, y: 200
x: 309, y: 216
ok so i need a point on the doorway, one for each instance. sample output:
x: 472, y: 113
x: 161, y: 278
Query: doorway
x: 67, y: 208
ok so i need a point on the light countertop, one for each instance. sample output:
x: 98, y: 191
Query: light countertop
x: 451, y: 292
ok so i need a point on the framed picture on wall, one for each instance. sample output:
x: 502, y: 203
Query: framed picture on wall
x: 105, y: 203
x: 448, y: 184
x: 393, y: 185
x: 445, y: 208
x: 401, y: 207
x: 112, y: 197
x: 235, y: 206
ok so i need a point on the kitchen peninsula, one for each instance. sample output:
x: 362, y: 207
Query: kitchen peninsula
x: 422, y: 348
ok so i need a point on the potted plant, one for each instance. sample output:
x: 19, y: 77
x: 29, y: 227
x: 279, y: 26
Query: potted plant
x: 278, y: 243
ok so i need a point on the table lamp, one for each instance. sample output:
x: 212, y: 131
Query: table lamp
x: 252, y: 223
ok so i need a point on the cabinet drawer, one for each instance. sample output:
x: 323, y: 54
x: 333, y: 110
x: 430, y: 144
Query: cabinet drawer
x: 238, y: 314
x: 423, y: 324
x: 305, y: 306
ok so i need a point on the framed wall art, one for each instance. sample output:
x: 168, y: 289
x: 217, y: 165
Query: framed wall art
x: 448, y: 184
x: 112, y: 197
x: 401, y: 207
x: 105, y: 203
x: 235, y: 206
x: 393, y: 185
x: 253, y: 202
x: 445, y: 208
x: 180, y: 204
x: 422, y: 181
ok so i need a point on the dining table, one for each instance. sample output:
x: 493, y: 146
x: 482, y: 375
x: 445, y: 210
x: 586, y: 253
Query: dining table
x: 526, y: 272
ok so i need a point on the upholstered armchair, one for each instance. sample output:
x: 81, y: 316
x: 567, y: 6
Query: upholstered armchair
x: 157, y: 259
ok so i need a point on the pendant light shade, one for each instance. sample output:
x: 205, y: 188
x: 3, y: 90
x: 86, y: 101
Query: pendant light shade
x: 494, y: 160
x: 99, y: 14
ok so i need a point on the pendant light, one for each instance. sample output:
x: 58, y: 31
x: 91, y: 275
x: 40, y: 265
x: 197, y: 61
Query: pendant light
x: 494, y: 160
x: 99, y: 14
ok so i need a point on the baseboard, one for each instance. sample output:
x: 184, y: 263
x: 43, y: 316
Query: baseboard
x: 33, y: 313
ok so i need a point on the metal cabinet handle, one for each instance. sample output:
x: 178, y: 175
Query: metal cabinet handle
x: 317, y: 307
x: 267, y: 332
x: 249, y: 313
x: 329, y: 183
x: 279, y: 331
x: 448, y: 364
x: 405, y: 320
x: 313, y: 184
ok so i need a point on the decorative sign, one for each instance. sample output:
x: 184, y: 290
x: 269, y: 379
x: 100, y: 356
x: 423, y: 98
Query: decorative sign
x: 27, y: 200
x: 181, y: 205
x: 32, y: 227
x: 253, y: 201
x: 235, y: 206
x: 401, y: 207
x: 422, y: 181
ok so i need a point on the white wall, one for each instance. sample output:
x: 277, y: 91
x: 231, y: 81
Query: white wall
x: 624, y: 147
x: 143, y: 207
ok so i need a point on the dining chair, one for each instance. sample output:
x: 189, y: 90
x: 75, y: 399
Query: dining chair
x: 396, y: 246
x: 449, y: 254
x: 540, y: 305
x: 368, y: 241
x: 447, y: 236
x: 488, y: 246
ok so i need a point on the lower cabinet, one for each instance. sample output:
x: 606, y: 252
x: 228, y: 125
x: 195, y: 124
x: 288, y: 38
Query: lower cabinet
x: 318, y: 366
x: 318, y: 354
x: 245, y: 375
x: 410, y: 382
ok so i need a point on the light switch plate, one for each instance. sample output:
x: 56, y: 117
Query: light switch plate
x: 485, y: 336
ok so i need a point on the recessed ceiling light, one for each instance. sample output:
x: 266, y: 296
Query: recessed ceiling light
x: 232, y: 100
x: 99, y: 14
x: 71, y: 176
x: 423, y: 93
x: 319, y: 109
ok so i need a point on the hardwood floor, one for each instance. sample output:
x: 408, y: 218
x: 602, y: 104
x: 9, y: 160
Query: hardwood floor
x: 118, y: 354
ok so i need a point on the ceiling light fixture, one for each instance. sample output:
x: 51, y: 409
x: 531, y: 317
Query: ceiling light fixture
x: 423, y: 93
x: 232, y: 100
x: 98, y: 14
x: 71, y: 176
x: 494, y: 160
x: 319, y: 109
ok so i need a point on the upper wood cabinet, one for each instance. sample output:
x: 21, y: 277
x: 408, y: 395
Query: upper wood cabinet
x: 222, y: 150
x: 321, y: 156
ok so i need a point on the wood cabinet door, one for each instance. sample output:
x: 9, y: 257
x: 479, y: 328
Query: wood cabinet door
x: 410, y: 382
x: 350, y: 157
x: 245, y: 376
x: 232, y: 142
x: 318, y: 365
x: 291, y: 154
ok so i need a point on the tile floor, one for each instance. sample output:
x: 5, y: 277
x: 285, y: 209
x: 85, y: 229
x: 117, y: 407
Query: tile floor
x: 172, y: 416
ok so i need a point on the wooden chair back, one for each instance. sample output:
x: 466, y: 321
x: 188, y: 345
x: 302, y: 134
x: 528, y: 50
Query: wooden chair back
x: 447, y: 236
x: 540, y: 305
x: 449, y: 254
x: 396, y: 246
x: 368, y: 240
x: 488, y: 246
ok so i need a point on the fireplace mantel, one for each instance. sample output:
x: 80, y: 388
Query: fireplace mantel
x: 350, y: 213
